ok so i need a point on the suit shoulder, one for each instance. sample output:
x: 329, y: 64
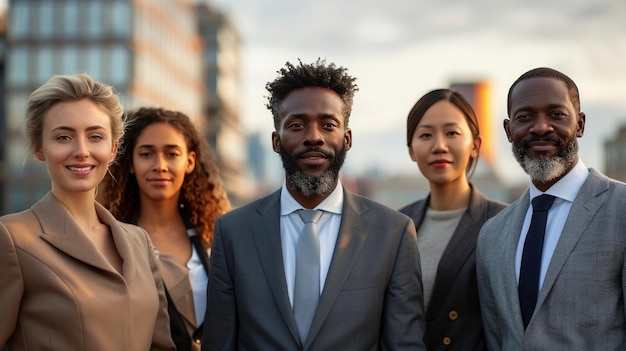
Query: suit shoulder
x: 411, y: 208
x: 242, y: 210
x: 598, y: 183
x: 502, y: 213
x: 250, y: 209
x: 380, y: 209
x: 131, y: 228
x: 18, y: 217
x: 617, y: 185
x: 135, y: 233
x: 494, y: 206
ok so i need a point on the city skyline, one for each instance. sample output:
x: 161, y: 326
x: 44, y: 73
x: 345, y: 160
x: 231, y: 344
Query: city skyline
x: 400, y: 49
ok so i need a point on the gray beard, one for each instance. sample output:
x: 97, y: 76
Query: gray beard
x: 313, y: 186
x: 309, y: 185
x: 544, y: 168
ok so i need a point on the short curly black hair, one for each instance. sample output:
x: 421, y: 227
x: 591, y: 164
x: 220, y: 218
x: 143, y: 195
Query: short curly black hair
x: 317, y: 74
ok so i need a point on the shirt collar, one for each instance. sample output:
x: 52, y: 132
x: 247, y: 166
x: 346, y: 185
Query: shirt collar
x: 567, y: 187
x: 332, y: 203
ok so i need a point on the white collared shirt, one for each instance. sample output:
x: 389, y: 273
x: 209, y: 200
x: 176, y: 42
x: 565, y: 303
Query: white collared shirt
x: 565, y: 191
x: 291, y: 225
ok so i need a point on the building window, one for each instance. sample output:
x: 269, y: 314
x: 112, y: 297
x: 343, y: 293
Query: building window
x: 18, y: 66
x: 94, y: 19
x: 45, y: 64
x: 46, y: 19
x: 70, y: 19
x: 94, y: 62
x: 19, y: 23
x: 69, y: 61
x: 119, y: 65
x: 120, y: 19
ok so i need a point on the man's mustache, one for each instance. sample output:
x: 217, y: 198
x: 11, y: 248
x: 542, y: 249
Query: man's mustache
x: 326, y: 153
x: 526, y: 143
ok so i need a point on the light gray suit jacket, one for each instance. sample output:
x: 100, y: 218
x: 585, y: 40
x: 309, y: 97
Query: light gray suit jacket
x: 372, y: 298
x: 581, y: 304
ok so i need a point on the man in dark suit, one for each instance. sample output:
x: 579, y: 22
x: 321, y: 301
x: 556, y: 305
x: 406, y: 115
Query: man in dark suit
x: 370, y: 291
x: 575, y: 299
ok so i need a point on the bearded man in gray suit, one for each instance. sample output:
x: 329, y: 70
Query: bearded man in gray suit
x: 369, y: 295
x: 580, y: 285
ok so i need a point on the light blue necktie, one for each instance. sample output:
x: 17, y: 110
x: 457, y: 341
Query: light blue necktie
x: 307, y: 283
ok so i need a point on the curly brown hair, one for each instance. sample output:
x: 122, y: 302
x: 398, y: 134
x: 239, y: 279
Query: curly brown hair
x: 202, y: 197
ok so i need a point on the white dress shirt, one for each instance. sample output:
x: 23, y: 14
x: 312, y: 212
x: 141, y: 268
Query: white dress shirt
x: 565, y: 191
x: 291, y: 225
x: 199, y: 281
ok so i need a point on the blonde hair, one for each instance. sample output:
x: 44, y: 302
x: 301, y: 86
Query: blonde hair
x: 65, y: 88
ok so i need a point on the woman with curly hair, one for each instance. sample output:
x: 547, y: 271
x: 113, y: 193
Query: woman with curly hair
x: 165, y: 180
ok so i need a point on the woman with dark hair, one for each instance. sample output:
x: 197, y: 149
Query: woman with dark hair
x: 444, y: 140
x: 166, y: 181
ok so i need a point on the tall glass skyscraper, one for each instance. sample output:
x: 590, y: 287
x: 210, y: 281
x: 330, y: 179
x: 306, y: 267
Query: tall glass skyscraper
x: 149, y: 50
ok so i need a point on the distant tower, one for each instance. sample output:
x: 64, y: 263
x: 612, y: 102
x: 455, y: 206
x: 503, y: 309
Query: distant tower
x: 221, y: 73
x: 615, y: 155
x: 479, y: 96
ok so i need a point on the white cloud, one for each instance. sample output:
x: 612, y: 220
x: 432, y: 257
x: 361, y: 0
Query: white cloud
x: 399, y: 49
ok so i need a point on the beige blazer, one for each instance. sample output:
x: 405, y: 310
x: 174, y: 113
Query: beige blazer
x: 57, y: 292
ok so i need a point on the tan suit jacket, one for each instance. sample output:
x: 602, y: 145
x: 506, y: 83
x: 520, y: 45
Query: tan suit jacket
x: 59, y: 293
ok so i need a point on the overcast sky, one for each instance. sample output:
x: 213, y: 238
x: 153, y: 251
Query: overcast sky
x: 400, y: 49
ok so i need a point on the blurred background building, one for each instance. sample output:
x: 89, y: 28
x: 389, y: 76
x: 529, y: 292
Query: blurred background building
x: 179, y: 55
x: 399, y: 190
x: 615, y: 155
x: 187, y: 55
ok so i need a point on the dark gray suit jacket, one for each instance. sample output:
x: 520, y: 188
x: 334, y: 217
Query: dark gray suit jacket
x: 453, y: 320
x: 372, y: 298
x: 581, y: 303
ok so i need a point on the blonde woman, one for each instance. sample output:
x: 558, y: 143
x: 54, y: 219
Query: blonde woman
x: 73, y: 277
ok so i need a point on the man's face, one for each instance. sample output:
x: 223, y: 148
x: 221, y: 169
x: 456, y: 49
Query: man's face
x: 312, y: 140
x: 542, y: 127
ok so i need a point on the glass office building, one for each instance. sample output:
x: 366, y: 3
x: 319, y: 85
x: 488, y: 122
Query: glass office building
x: 149, y: 50
x: 222, y: 78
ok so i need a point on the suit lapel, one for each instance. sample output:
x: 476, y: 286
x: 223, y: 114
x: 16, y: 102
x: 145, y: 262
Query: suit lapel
x: 352, y: 235
x: 507, y: 249
x: 461, y: 246
x: 122, y: 238
x: 61, y: 230
x: 587, y: 203
x: 176, y: 280
x: 266, y: 232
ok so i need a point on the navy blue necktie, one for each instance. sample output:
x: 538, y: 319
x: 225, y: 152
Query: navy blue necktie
x: 531, y: 257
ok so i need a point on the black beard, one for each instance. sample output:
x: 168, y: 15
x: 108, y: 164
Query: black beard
x: 308, y: 185
x: 546, y: 168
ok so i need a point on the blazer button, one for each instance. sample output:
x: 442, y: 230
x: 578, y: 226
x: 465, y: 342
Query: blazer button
x: 453, y: 315
x: 447, y: 341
